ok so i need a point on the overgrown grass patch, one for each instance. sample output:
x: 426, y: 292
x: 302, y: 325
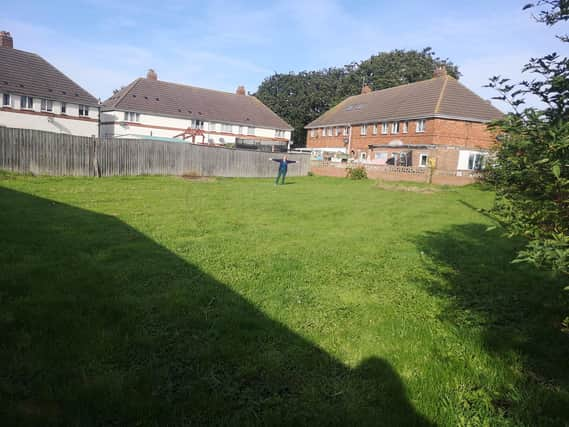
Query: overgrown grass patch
x: 165, y: 301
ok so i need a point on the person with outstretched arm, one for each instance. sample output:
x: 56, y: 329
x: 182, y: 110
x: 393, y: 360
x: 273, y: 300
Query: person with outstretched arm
x: 283, y: 168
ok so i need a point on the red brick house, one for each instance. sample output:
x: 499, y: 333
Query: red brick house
x: 407, y: 125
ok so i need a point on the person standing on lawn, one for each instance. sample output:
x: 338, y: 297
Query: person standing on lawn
x: 283, y: 168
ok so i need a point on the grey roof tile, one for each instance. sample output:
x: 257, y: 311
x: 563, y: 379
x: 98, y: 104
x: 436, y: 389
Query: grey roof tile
x: 190, y: 102
x: 437, y: 97
x: 25, y: 73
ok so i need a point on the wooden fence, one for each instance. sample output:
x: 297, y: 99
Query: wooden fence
x: 47, y: 153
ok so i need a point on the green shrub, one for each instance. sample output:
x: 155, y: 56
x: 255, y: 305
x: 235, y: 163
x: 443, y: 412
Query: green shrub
x: 359, y: 172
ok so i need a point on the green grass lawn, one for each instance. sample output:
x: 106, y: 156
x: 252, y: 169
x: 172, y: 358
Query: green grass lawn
x: 164, y: 301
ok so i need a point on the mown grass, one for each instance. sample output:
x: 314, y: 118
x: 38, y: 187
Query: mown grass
x: 164, y: 301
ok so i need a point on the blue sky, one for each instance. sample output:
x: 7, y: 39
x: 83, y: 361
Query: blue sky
x: 105, y: 44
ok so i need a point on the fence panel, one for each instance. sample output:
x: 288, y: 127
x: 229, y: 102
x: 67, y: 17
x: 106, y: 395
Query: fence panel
x: 48, y: 153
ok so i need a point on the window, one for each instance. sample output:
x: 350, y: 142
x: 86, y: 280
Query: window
x: 312, y: 133
x: 323, y: 131
x: 83, y: 110
x: 336, y: 132
x: 363, y: 155
x: 363, y: 130
x: 384, y: 127
x: 6, y: 101
x: 475, y: 161
x: 251, y: 131
x: 374, y: 129
x: 381, y: 155
x: 420, y: 125
x: 197, y: 124
x: 346, y: 131
x: 26, y: 102
x: 405, y: 126
x: 213, y: 126
x: 46, y: 105
x: 128, y: 116
x: 423, y: 160
x: 63, y: 108
x: 226, y: 128
x: 280, y: 133
x: 395, y: 127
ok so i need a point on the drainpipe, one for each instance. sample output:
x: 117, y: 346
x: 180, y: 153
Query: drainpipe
x: 349, y: 142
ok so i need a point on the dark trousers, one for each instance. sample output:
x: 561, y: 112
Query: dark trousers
x: 282, y: 172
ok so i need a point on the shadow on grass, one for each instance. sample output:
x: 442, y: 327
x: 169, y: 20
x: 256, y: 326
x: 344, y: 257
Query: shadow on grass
x: 517, y: 308
x: 100, y: 325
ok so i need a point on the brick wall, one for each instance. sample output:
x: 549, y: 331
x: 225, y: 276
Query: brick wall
x: 462, y: 134
x: 340, y: 172
x: 452, y: 134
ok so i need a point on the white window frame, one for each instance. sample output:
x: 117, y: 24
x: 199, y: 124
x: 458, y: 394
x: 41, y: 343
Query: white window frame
x: 26, y: 102
x: 374, y: 130
x: 313, y: 133
x: 381, y: 155
x: 212, y: 126
x: 336, y: 133
x: 394, y: 127
x: 477, y: 162
x: 83, y: 110
x: 250, y: 130
x: 426, y: 162
x: 227, y: 128
x: 130, y: 116
x: 346, y: 131
x: 363, y: 156
x: 363, y: 130
x: 63, y: 108
x: 323, y: 131
x: 6, y: 96
x: 46, y: 105
x: 384, y: 128
x: 406, y: 126
x: 421, y: 125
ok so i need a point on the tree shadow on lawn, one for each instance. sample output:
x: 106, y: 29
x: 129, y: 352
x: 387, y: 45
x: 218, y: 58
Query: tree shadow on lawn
x: 99, y: 325
x: 517, y: 308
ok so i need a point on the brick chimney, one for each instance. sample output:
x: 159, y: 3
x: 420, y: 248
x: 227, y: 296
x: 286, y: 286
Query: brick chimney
x: 6, y: 40
x: 240, y: 90
x: 366, y: 89
x: 151, y: 75
x: 440, y: 71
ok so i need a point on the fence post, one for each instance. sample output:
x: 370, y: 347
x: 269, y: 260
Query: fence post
x: 96, y: 170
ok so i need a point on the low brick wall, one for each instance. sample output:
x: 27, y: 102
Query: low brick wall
x: 396, y: 174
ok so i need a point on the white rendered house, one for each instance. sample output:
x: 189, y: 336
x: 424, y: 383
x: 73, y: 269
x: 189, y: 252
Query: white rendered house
x: 148, y: 107
x: 36, y: 95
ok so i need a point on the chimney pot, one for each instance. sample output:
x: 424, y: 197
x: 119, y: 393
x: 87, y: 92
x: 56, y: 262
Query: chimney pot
x: 151, y: 75
x: 6, y: 40
x: 366, y: 89
x: 440, y: 71
x: 240, y: 90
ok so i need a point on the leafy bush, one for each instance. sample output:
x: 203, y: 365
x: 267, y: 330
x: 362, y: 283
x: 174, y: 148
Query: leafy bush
x: 530, y: 169
x: 359, y: 172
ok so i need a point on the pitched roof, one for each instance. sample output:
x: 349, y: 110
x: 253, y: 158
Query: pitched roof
x: 189, y: 102
x: 437, y: 97
x: 25, y: 73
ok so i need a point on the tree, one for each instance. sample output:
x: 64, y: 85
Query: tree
x: 300, y: 98
x: 531, y: 167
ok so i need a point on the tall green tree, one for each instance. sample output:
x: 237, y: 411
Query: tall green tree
x: 531, y: 167
x: 301, y: 97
